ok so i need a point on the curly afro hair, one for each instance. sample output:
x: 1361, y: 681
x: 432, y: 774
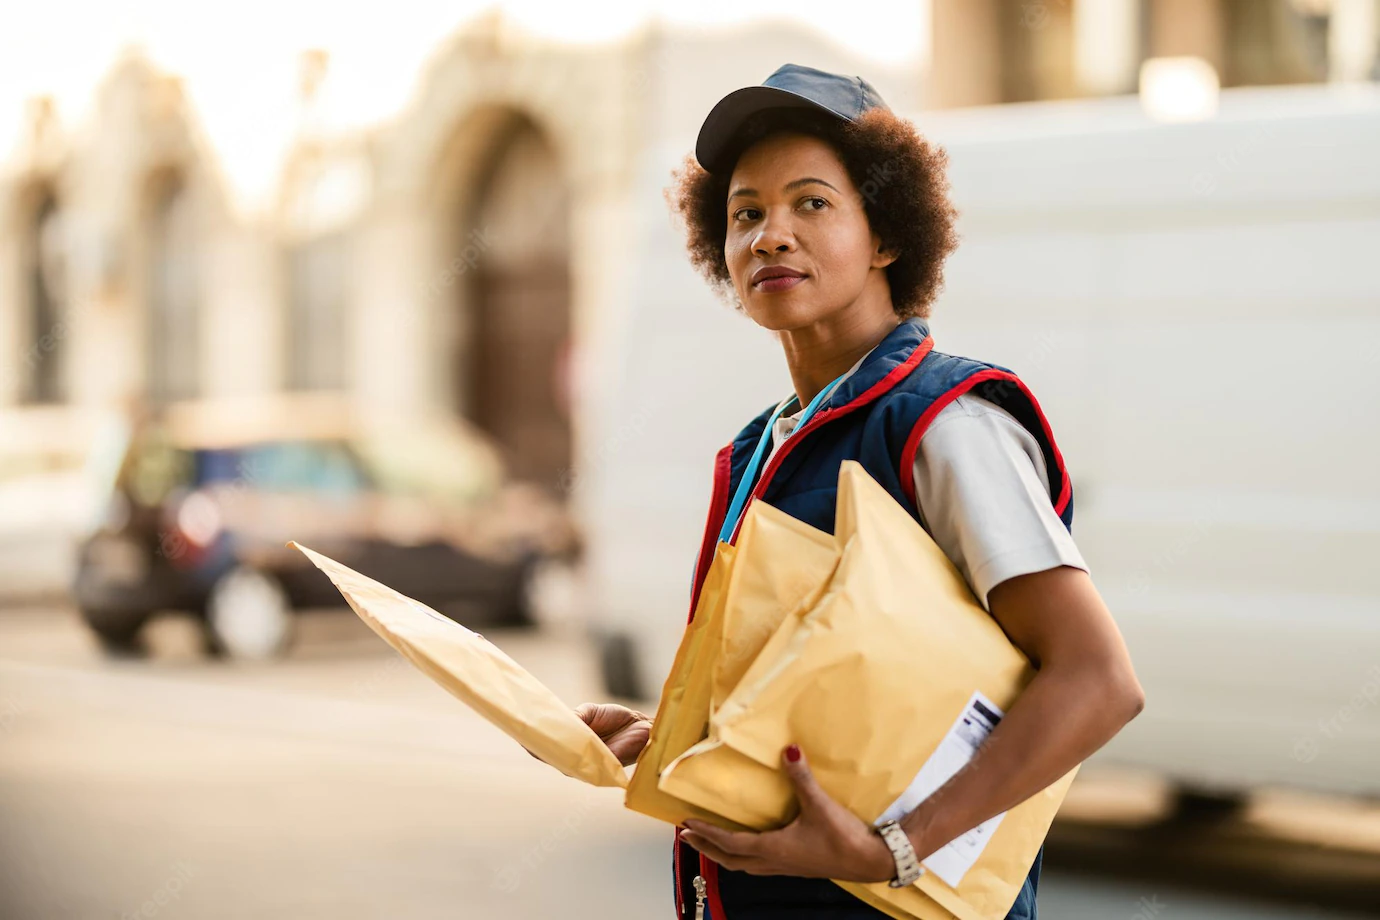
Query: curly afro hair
x: 900, y: 176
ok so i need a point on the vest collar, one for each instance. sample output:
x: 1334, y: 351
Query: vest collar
x: 895, y: 349
x: 891, y: 352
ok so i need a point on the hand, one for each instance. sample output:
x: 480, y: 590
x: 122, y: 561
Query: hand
x: 825, y: 840
x: 624, y: 730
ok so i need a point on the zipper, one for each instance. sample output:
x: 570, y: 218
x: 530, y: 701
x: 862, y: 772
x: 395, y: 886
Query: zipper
x: 701, y: 891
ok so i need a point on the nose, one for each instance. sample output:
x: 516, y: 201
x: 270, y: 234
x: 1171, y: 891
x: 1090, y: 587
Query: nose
x: 774, y: 235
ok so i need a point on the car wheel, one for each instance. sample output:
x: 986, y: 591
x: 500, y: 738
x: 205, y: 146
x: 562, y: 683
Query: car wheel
x: 522, y: 608
x: 122, y: 641
x: 248, y: 616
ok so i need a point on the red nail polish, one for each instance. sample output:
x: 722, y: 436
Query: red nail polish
x: 793, y: 753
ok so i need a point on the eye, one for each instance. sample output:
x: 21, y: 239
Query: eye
x: 738, y: 214
x: 822, y: 203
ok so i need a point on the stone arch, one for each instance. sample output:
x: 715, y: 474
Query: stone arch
x: 426, y: 166
x: 507, y: 283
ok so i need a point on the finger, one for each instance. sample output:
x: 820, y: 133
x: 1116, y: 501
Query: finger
x: 640, y: 730
x: 807, y: 788
x: 735, y: 861
x: 640, y: 733
x: 738, y: 843
x: 604, y: 719
x: 628, y: 744
x: 772, y: 858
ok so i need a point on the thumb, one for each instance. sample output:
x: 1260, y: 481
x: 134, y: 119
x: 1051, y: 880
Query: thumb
x: 807, y: 789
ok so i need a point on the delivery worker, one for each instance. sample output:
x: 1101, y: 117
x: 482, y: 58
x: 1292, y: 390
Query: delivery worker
x: 825, y: 218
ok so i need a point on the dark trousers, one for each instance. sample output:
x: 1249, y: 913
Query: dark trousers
x: 783, y: 897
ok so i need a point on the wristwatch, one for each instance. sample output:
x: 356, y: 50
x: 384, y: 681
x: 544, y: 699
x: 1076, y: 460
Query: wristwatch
x: 908, y: 867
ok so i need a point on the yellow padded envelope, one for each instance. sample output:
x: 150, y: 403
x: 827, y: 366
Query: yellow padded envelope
x: 482, y: 676
x: 798, y: 636
x: 717, y: 648
x: 683, y: 714
x: 885, y: 682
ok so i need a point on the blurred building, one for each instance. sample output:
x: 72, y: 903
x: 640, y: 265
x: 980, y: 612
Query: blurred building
x: 455, y: 257
x: 1140, y: 181
x: 995, y: 51
x: 466, y: 254
x: 481, y: 252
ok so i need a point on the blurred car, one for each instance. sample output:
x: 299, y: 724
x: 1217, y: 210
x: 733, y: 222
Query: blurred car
x: 208, y: 494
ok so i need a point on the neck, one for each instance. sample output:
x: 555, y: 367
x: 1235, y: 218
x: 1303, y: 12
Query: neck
x: 823, y: 350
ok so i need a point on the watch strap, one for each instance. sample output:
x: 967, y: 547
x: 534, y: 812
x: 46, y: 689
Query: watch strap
x: 908, y: 867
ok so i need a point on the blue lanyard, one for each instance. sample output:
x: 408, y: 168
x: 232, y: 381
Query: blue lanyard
x: 735, y: 509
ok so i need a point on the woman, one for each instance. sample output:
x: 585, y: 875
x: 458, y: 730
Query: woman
x: 827, y: 218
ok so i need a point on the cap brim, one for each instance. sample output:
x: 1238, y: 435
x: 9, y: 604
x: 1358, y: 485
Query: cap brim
x: 714, y: 144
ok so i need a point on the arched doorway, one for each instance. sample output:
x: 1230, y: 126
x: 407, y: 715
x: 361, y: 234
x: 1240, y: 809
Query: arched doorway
x: 515, y: 372
x: 172, y: 340
x: 44, y: 270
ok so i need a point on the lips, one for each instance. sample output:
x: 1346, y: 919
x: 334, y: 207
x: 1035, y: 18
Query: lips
x: 775, y: 271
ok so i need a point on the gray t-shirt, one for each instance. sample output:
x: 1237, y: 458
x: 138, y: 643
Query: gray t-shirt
x: 983, y: 494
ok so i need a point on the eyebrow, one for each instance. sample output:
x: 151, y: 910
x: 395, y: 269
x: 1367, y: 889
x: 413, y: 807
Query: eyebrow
x: 788, y: 186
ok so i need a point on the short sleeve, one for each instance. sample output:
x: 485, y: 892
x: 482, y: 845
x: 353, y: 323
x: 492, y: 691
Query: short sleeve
x: 984, y: 497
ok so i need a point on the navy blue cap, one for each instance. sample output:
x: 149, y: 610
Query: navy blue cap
x: 790, y: 86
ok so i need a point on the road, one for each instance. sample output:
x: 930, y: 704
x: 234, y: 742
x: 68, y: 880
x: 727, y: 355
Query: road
x: 342, y: 784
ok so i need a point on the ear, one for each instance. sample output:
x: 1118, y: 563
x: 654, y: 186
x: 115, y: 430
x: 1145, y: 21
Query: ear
x: 881, y: 258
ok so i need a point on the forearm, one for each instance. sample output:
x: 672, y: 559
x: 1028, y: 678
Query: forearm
x: 1062, y: 717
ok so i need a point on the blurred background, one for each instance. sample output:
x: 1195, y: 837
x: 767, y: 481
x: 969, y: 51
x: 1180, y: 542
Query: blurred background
x: 400, y: 283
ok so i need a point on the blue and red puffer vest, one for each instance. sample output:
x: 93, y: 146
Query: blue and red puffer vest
x: 876, y: 417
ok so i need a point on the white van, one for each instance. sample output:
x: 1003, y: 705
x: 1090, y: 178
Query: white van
x: 1197, y: 307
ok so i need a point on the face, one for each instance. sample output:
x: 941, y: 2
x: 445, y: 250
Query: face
x: 791, y: 205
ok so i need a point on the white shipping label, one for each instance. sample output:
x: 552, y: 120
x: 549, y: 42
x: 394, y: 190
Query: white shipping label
x: 969, y: 730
